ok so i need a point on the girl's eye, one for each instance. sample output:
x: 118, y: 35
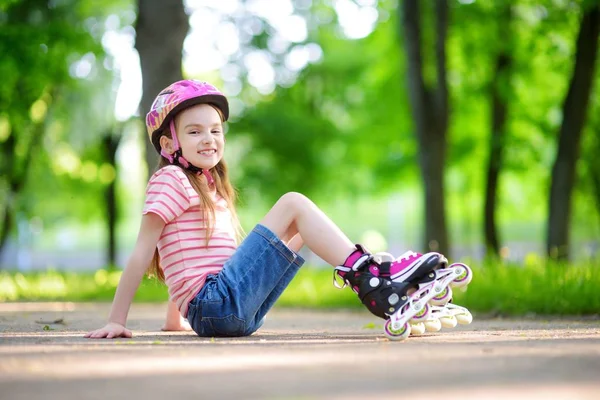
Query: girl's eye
x: 216, y: 132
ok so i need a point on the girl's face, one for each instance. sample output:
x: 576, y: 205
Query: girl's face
x: 200, y: 133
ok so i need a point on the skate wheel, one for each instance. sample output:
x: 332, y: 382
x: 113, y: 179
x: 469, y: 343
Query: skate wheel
x: 433, y: 325
x: 417, y: 329
x: 464, y: 275
x: 464, y: 318
x: 449, y: 321
x: 393, y: 334
x: 443, y: 298
x: 422, y: 315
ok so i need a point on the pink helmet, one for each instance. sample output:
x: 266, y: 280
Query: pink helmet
x: 179, y: 96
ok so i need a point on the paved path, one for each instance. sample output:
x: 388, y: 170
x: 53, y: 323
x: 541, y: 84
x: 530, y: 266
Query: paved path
x: 296, y: 355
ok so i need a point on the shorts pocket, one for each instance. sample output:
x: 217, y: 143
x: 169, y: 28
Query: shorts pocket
x: 194, y: 319
x: 225, y: 326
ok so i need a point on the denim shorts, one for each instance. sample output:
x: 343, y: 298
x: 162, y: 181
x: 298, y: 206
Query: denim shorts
x: 235, y: 301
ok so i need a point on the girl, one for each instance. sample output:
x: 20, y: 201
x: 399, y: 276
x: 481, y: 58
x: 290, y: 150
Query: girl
x: 189, y: 234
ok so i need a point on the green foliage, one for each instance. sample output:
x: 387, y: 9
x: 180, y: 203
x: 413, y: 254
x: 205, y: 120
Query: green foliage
x: 587, y: 190
x: 68, y: 286
x: 536, y: 288
x: 37, y: 43
x: 341, y: 130
x: 351, y: 109
x: 57, y: 105
x: 48, y: 49
x: 298, y: 157
x: 541, y: 44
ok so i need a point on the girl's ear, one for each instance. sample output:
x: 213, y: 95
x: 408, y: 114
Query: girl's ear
x: 166, y: 144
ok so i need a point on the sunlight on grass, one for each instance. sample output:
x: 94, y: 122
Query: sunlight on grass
x: 537, y: 288
x: 69, y: 286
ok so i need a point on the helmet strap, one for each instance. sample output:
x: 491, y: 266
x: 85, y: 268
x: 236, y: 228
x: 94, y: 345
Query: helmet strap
x: 209, y: 177
x: 177, y: 158
x: 173, y: 134
x: 166, y: 155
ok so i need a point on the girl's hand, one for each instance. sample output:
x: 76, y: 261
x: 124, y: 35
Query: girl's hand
x: 110, y: 331
x: 150, y: 231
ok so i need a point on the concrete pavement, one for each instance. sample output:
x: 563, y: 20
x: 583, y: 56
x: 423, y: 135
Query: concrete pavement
x: 298, y: 354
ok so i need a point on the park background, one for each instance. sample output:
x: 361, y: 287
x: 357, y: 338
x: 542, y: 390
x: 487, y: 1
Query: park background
x: 471, y: 127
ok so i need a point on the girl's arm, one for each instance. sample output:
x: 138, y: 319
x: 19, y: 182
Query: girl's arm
x: 150, y: 230
x: 174, y: 320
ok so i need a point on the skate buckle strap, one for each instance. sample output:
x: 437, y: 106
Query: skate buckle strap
x: 361, y: 262
x: 336, y: 274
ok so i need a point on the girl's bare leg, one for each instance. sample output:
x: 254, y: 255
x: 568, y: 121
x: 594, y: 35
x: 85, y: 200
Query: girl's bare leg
x: 294, y: 213
x: 292, y: 239
x: 295, y: 243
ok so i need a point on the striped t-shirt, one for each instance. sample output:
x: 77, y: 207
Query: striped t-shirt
x: 184, y: 257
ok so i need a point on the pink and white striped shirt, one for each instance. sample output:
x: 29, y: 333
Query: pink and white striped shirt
x: 184, y: 257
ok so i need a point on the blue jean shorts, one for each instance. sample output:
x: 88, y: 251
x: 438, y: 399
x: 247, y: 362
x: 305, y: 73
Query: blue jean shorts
x: 235, y: 301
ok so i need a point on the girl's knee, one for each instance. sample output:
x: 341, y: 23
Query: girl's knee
x: 293, y: 199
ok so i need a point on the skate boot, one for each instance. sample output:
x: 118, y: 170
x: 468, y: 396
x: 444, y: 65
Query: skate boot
x: 460, y: 272
x: 460, y: 275
x: 397, y: 290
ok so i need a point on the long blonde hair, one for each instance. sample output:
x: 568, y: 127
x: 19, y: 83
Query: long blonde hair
x: 224, y: 188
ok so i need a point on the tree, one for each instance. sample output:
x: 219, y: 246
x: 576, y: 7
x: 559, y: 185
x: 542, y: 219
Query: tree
x: 429, y: 104
x: 588, y: 183
x: 161, y: 28
x: 36, y: 41
x: 499, y: 106
x: 574, y: 110
x: 342, y: 131
x: 110, y: 144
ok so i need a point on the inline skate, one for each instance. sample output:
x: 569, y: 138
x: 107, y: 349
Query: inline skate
x: 401, y: 289
x: 447, y: 316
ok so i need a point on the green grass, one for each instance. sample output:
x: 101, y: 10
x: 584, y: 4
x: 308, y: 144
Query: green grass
x: 534, y: 289
x: 70, y: 286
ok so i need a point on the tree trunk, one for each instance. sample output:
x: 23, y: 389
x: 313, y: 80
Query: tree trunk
x: 161, y: 28
x: 6, y: 227
x: 574, y: 115
x: 111, y: 144
x: 8, y: 151
x: 595, y: 179
x: 500, y: 88
x: 430, y: 114
x: 17, y: 177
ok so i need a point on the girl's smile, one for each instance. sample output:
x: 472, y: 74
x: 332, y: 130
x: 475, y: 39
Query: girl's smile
x: 200, y: 134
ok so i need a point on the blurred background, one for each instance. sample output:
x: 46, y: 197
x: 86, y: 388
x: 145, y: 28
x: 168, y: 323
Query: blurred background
x: 470, y: 127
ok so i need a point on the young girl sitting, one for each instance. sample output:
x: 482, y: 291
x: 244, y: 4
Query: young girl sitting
x: 189, y: 237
